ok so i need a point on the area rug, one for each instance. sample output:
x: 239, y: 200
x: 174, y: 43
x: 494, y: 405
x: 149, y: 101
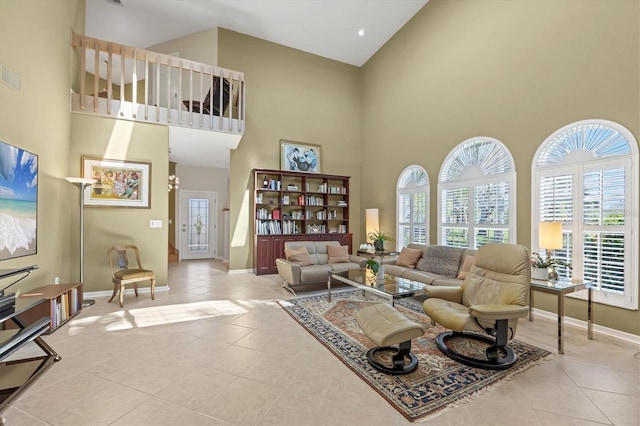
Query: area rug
x: 437, y: 384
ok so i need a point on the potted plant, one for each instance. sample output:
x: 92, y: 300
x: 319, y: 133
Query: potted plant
x: 379, y: 237
x: 543, y: 269
x: 373, y: 265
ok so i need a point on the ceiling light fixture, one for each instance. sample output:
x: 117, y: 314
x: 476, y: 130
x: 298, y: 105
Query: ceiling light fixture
x: 361, y: 32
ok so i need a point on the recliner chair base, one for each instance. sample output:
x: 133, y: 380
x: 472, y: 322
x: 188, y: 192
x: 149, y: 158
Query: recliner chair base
x: 499, y: 357
x: 399, y: 365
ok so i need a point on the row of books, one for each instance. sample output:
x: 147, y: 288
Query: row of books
x: 325, y: 187
x: 64, y: 307
x: 292, y: 227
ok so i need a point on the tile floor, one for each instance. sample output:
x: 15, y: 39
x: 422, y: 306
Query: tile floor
x: 217, y: 349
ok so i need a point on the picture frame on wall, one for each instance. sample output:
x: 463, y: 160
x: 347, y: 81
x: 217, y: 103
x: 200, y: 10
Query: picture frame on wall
x: 300, y: 157
x: 18, y: 202
x: 119, y: 183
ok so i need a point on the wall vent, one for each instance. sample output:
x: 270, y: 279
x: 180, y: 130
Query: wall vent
x: 10, y: 78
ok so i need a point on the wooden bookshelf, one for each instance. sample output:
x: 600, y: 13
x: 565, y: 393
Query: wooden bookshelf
x: 297, y: 206
x: 65, y: 302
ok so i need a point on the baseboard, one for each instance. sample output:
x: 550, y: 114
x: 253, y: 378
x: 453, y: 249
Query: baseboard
x: 628, y: 337
x: 108, y: 293
x: 240, y: 271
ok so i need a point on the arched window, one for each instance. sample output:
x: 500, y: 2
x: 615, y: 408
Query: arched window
x: 476, y: 195
x: 412, y: 201
x: 585, y: 175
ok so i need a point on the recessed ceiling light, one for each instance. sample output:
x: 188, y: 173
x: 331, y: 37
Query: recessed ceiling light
x: 361, y: 32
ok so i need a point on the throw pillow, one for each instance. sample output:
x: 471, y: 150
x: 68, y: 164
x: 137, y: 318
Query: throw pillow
x: 466, y: 267
x: 338, y: 254
x: 409, y: 257
x: 299, y: 256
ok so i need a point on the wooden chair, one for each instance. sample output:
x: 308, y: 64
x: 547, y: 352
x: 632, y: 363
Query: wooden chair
x: 122, y: 274
x: 205, y: 105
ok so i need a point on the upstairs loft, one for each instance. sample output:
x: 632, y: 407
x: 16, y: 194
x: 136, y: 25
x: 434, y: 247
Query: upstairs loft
x: 127, y: 83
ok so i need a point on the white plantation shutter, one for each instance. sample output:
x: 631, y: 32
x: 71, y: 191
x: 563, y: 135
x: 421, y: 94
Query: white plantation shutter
x: 412, y: 207
x: 585, y: 177
x: 604, y: 260
x: 556, y: 198
x: 477, y: 195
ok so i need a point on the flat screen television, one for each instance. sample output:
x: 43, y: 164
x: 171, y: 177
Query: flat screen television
x: 18, y: 202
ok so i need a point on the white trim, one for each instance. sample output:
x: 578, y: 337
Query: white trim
x: 471, y: 183
x: 426, y: 189
x: 240, y: 271
x: 612, y: 332
x: 577, y: 170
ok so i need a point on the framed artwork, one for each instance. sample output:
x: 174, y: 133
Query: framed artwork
x: 118, y: 183
x: 18, y: 202
x: 299, y: 157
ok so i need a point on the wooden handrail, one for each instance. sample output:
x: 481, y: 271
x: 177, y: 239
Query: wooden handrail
x: 196, y: 77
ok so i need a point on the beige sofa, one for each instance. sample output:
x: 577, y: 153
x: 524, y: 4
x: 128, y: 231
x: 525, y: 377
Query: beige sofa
x: 295, y: 271
x: 436, y: 266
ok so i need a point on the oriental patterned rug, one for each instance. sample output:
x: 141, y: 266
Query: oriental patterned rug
x: 436, y: 385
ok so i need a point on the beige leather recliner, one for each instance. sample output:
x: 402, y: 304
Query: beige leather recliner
x: 494, y: 295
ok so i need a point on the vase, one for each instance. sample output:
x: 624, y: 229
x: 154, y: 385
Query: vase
x: 378, y: 245
x: 380, y: 273
x: 539, y: 273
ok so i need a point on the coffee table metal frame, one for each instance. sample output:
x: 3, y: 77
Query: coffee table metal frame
x: 391, y: 288
x: 560, y: 288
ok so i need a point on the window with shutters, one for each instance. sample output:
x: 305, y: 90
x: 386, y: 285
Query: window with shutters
x: 412, y: 195
x: 476, y: 195
x: 585, y: 175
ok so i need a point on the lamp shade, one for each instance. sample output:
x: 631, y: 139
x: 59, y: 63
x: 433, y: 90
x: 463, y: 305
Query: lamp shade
x: 371, y: 220
x: 80, y: 181
x: 550, y: 235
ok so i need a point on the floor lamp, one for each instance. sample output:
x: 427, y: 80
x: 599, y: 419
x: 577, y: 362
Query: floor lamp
x: 82, y: 184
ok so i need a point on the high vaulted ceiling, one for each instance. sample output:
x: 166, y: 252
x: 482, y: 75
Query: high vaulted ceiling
x: 327, y: 28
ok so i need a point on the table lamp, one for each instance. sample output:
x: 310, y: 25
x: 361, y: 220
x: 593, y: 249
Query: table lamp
x: 550, y: 238
x: 372, y: 222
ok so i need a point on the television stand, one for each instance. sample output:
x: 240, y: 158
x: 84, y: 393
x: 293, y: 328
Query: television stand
x: 18, y: 370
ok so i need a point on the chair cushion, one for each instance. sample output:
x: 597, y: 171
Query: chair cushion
x: 338, y: 254
x: 127, y: 274
x: 299, y: 256
x: 409, y: 257
x: 466, y: 267
x: 385, y: 326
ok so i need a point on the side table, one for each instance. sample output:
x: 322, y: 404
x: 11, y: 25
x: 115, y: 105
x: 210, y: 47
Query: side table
x: 560, y: 288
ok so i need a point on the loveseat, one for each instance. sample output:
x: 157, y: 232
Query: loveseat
x: 431, y: 264
x: 309, y: 262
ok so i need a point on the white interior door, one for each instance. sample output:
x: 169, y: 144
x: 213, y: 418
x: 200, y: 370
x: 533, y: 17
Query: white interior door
x: 198, y: 225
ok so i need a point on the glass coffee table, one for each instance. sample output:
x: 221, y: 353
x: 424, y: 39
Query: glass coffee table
x: 391, y: 288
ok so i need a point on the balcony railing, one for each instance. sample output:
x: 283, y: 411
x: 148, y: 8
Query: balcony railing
x: 134, y: 84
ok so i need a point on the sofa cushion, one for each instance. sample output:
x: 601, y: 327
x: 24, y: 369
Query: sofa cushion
x: 309, y: 245
x: 442, y: 260
x: 409, y: 257
x: 338, y: 254
x: 466, y: 267
x: 298, y: 256
x: 315, y: 274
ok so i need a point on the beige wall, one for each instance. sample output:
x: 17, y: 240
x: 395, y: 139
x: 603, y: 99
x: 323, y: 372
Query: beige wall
x: 200, y: 47
x: 212, y: 179
x: 37, y: 119
x: 108, y: 226
x: 296, y: 96
x: 515, y: 71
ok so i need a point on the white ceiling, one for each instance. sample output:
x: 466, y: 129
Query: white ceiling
x: 328, y: 28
